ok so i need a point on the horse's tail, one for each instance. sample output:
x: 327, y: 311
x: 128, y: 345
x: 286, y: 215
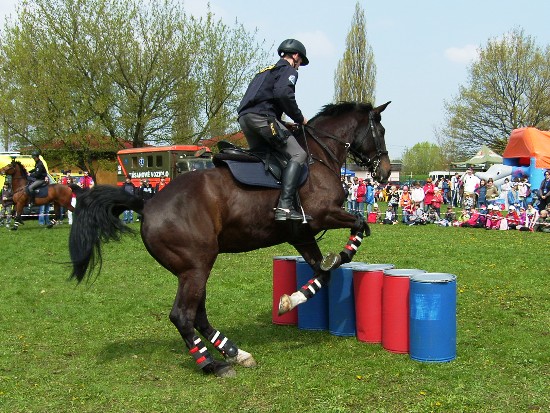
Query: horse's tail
x: 77, y: 189
x: 96, y: 220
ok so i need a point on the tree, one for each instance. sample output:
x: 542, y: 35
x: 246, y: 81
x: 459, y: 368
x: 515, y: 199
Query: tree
x: 77, y: 72
x: 355, y: 76
x: 422, y: 158
x: 225, y: 69
x: 509, y: 88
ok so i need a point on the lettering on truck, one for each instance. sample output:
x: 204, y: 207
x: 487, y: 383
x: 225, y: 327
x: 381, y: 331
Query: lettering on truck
x: 155, y: 162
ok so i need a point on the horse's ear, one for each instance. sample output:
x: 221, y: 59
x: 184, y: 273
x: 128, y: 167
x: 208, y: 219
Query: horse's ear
x: 381, y: 108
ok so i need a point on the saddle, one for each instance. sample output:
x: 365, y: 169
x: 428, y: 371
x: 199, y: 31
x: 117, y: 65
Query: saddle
x: 40, y: 192
x: 262, y: 169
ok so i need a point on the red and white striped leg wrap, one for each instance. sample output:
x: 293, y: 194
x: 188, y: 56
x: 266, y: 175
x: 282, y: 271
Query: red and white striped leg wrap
x: 200, y: 353
x: 223, y: 344
x: 311, y: 288
x: 353, y: 245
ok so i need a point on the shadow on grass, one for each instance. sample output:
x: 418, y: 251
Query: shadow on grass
x: 253, y: 337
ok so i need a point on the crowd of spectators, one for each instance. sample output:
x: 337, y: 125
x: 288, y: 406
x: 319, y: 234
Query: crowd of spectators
x: 462, y: 201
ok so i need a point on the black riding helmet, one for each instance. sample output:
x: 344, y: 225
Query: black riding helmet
x: 35, y: 154
x: 293, y: 46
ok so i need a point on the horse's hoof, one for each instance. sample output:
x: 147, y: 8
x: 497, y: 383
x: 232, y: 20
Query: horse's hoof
x: 243, y: 358
x: 330, y: 261
x: 14, y: 228
x: 49, y: 226
x: 285, y: 305
x: 248, y: 362
x: 225, y: 371
x: 219, y: 369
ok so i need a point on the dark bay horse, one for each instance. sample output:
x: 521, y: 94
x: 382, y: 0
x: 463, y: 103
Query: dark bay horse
x: 201, y: 214
x: 59, y: 195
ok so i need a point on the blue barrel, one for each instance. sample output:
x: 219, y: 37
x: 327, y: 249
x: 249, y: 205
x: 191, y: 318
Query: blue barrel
x: 432, y: 323
x: 313, y: 314
x: 341, y: 301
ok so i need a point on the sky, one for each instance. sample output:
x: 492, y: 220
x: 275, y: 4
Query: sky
x: 422, y: 49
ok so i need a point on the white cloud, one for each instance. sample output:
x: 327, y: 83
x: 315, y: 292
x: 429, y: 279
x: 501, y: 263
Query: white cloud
x: 317, y: 44
x: 465, y: 54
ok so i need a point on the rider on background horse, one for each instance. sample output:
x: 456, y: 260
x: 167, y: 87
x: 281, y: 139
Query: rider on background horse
x: 38, y: 175
x: 272, y: 92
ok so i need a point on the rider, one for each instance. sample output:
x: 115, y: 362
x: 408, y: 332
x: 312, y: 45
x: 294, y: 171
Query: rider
x: 272, y: 92
x: 39, y: 175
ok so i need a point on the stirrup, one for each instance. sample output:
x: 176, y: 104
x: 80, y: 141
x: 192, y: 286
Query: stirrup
x: 284, y: 214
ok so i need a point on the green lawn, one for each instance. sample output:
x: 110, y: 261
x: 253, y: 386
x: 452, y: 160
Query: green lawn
x: 108, y: 346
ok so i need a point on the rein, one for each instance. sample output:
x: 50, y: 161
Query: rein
x: 371, y: 163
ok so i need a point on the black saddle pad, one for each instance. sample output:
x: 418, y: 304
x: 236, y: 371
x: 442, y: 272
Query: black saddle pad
x: 41, y: 192
x: 256, y: 169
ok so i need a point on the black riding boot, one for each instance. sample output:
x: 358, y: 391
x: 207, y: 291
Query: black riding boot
x: 285, y: 209
x: 30, y: 194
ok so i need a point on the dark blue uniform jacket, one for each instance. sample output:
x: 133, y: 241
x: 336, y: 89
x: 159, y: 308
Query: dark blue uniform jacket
x: 272, y: 92
x: 39, y: 172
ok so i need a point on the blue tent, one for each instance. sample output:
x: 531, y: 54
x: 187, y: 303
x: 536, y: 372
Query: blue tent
x: 346, y: 172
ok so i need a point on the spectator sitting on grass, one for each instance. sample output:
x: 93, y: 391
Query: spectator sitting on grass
x: 483, y: 212
x: 433, y: 216
x: 391, y: 217
x: 531, y: 217
x: 543, y: 222
x: 418, y: 216
x: 493, y: 217
x: 473, y: 220
x: 463, y: 217
x: 450, y: 215
x: 512, y: 217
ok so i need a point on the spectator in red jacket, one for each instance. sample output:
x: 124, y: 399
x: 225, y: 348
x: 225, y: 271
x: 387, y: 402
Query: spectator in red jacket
x: 429, y: 191
x: 361, y: 197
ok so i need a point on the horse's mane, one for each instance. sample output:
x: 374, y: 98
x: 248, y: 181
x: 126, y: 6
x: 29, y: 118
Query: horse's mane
x: 23, y: 169
x: 336, y: 109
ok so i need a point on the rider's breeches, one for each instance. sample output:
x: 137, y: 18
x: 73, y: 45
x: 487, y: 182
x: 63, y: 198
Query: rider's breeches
x: 258, y: 135
x: 36, y: 184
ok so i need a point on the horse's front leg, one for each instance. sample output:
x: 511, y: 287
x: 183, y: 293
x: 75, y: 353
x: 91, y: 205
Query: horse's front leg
x: 323, y: 265
x: 358, y: 231
x: 312, y: 255
x: 18, y: 220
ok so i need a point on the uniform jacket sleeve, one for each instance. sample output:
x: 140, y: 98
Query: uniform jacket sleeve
x: 284, y: 93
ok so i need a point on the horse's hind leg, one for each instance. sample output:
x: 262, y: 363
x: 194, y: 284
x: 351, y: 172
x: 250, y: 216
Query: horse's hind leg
x: 56, y: 214
x: 191, y: 290
x: 226, y: 347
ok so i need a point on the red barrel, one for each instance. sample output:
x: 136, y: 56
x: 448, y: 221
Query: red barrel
x: 367, y: 289
x: 284, y: 282
x: 395, y: 309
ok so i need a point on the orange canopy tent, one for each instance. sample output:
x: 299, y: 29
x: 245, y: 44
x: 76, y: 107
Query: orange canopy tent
x: 529, y: 143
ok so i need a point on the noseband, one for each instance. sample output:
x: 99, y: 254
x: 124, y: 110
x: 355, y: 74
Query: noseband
x: 353, y: 148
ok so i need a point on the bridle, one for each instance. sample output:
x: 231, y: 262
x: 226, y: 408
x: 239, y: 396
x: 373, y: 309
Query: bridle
x: 8, y: 167
x: 354, y: 148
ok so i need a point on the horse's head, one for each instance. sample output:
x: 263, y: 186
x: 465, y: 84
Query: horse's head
x: 357, y: 126
x: 368, y: 148
x: 9, y: 169
x: 14, y: 168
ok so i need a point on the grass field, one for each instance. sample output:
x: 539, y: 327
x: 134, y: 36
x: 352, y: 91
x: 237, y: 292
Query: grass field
x: 108, y: 346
